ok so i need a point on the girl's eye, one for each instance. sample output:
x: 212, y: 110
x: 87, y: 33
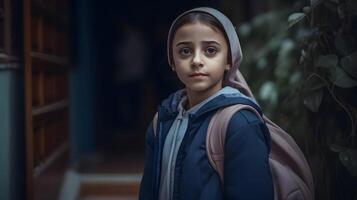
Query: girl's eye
x: 184, y: 51
x: 211, y: 51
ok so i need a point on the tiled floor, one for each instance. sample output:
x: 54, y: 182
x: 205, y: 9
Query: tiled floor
x: 109, y: 198
x: 119, y: 186
x: 112, y: 173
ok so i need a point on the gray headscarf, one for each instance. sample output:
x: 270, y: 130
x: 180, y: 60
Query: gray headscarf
x: 234, y: 77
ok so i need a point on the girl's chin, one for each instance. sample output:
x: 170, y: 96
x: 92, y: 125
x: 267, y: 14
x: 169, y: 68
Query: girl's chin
x: 198, y: 88
x: 203, y: 86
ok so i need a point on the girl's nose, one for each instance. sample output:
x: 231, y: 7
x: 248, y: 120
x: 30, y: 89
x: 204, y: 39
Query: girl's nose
x: 197, y: 60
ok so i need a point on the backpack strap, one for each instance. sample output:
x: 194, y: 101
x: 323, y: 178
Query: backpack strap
x: 154, y: 124
x: 216, y: 135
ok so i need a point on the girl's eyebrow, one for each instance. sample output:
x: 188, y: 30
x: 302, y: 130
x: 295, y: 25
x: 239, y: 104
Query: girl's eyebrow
x: 204, y: 42
x: 211, y: 42
x: 182, y: 43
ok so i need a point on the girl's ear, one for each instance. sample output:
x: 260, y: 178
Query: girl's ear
x: 173, y: 67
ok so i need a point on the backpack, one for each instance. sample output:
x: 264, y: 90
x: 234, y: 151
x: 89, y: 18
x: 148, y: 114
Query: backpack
x: 290, y: 172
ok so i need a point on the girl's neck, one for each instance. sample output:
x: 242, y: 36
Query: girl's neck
x: 195, y: 97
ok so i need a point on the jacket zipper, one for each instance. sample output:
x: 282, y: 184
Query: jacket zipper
x: 158, y: 162
x: 179, y: 155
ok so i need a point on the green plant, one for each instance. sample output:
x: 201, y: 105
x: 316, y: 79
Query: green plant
x: 329, y: 57
x: 329, y: 60
x: 304, y: 70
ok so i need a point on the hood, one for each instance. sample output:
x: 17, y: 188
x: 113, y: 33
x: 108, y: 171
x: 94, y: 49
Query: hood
x: 169, y: 108
x: 233, y: 78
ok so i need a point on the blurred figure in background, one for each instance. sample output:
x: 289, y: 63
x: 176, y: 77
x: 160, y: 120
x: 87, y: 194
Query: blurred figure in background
x: 131, y: 62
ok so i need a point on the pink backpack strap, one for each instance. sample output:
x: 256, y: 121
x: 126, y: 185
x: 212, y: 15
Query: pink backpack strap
x: 216, y: 134
x: 154, y: 124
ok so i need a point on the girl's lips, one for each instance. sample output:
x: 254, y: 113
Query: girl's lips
x: 198, y: 74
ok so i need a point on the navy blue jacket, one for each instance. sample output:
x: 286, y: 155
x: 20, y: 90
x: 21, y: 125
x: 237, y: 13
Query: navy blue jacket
x: 246, y: 166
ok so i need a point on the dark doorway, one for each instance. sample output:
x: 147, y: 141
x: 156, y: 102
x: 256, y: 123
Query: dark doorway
x: 131, y: 69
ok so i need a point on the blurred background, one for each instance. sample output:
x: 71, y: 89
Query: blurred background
x: 80, y: 80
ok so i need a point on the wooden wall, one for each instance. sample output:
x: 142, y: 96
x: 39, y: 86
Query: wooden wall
x: 46, y: 67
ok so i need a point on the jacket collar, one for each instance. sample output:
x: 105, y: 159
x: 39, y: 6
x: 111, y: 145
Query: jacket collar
x: 169, y: 108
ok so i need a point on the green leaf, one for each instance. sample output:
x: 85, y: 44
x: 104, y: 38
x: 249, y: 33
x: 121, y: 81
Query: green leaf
x: 295, y: 78
x: 349, y: 159
x: 330, y: 5
x: 307, y: 9
x: 314, y: 3
x: 342, y: 79
x: 352, y: 4
x: 314, y: 92
x: 262, y: 63
x: 245, y: 30
x: 349, y: 64
x: 295, y: 18
x: 345, y: 44
x: 313, y: 100
x: 328, y: 61
x: 314, y: 82
x: 341, y: 10
x: 268, y: 92
x: 337, y: 148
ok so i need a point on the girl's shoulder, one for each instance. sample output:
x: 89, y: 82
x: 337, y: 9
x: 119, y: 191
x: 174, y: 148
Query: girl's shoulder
x: 244, y: 117
x: 246, y: 122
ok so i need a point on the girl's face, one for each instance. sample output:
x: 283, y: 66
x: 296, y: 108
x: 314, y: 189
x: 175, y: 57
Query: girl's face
x: 200, y: 55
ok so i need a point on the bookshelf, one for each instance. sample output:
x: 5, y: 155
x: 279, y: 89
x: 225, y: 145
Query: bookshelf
x: 46, y: 69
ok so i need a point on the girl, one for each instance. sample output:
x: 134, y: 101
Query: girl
x: 204, y: 51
